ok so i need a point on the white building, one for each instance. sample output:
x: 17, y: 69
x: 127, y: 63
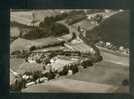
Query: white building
x: 121, y: 48
x: 108, y: 44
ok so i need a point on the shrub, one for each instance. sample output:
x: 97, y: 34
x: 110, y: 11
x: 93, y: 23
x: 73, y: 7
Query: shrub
x: 59, y: 29
x: 37, y: 75
x: 125, y: 82
x: 50, y: 75
x: 32, y: 48
x: 87, y: 63
x: 16, y: 52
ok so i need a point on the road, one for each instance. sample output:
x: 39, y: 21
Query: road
x: 121, y: 60
x: 110, y: 72
x: 107, y: 56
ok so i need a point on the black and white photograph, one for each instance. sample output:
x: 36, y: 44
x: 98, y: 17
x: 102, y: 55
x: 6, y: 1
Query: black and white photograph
x: 69, y: 51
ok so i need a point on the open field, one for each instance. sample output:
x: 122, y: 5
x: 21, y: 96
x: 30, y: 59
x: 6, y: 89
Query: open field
x: 122, y: 60
x: 15, y: 63
x: 103, y: 72
x: 69, y: 85
x: 114, y: 29
x: 23, y: 44
x: 14, y: 32
x: 26, y: 17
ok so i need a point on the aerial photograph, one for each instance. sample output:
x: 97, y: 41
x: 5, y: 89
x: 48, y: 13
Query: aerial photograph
x: 69, y: 51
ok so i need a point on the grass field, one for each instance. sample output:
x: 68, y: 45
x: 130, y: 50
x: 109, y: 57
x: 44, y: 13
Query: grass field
x: 23, y: 44
x: 103, y: 72
x: 118, y: 59
x: 69, y: 85
x: 15, y: 63
x: 14, y: 32
x: 114, y: 29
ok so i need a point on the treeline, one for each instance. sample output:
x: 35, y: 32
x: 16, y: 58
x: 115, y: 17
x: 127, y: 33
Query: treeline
x: 48, y: 27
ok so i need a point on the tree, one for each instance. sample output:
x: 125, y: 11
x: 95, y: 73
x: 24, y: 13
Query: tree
x: 46, y: 28
x: 32, y: 48
x: 98, y: 18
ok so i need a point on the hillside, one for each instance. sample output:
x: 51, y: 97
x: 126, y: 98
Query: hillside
x: 114, y: 29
